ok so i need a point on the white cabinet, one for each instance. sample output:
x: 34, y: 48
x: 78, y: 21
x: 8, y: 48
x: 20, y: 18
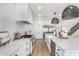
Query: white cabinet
x: 24, y: 50
x: 20, y: 47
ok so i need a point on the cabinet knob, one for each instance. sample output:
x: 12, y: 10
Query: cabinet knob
x: 58, y: 49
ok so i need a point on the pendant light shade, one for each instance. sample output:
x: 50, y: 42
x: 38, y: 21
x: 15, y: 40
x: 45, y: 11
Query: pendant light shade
x: 55, y: 20
x: 70, y: 12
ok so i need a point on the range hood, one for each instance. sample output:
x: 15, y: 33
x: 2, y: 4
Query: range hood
x: 23, y: 21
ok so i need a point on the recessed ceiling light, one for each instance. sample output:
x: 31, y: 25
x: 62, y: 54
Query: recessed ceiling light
x: 39, y: 7
x: 39, y: 15
x: 60, y: 15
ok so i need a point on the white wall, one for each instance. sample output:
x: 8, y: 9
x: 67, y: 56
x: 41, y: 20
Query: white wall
x: 7, y: 17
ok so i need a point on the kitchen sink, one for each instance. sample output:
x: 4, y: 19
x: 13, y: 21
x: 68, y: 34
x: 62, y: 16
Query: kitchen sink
x: 26, y: 36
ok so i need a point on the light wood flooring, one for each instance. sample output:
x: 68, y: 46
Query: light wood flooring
x: 40, y: 49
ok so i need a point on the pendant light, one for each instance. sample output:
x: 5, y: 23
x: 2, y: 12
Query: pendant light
x: 70, y: 12
x: 55, y: 20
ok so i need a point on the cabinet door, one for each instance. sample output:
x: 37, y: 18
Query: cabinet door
x: 53, y: 47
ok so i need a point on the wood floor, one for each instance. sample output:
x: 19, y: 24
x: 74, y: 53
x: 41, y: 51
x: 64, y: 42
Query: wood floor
x: 40, y: 49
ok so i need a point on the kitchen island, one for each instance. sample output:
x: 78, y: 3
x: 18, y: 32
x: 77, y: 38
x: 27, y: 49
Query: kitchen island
x: 65, y: 47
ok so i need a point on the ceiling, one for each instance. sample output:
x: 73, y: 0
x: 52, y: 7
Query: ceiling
x: 46, y: 10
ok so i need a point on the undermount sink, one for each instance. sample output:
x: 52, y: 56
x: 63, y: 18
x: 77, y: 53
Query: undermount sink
x: 26, y: 36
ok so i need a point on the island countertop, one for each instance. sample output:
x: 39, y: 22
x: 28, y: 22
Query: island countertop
x: 68, y: 45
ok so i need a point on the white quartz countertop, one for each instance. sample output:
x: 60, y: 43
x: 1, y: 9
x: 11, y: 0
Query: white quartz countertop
x: 68, y: 45
x: 11, y: 47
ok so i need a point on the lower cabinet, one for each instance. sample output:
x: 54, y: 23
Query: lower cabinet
x: 25, y: 49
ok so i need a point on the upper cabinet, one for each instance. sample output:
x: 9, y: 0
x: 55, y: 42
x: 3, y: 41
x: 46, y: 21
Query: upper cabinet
x: 23, y: 12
